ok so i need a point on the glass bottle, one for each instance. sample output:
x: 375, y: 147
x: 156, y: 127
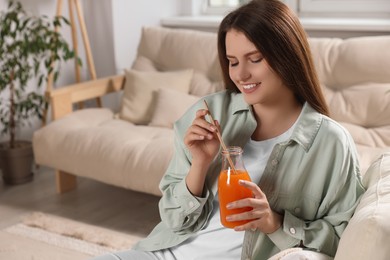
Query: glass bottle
x: 229, y: 190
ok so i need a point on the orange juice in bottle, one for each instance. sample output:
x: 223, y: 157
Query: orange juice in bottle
x: 228, y: 188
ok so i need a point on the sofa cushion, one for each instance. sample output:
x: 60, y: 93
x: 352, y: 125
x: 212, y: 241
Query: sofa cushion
x: 346, y: 62
x: 137, y: 106
x: 356, y: 81
x: 163, y: 49
x: 142, y: 63
x: 297, y: 253
x: 170, y: 105
x: 200, y: 84
x: 175, y: 49
x: 367, y: 234
x: 91, y: 143
x: 367, y: 155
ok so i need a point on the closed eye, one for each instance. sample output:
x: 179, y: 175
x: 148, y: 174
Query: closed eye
x: 233, y: 64
x: 257, y: 60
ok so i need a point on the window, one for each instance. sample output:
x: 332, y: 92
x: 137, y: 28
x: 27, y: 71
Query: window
x: 223, y: 3
x: 316, y: 8
x: 221, y: 6
x: 356, y: 8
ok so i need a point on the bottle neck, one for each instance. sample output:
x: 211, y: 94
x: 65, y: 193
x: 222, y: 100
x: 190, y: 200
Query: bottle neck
x: 234, y: 153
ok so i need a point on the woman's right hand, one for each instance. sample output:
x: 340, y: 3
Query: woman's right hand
x: 201, y: 139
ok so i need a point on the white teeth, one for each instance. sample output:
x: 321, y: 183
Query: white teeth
x: 249, y: 86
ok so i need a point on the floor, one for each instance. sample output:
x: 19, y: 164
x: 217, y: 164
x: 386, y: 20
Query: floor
x: 92, y: 202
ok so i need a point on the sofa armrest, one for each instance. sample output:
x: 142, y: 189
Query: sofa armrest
x: 62, y: 99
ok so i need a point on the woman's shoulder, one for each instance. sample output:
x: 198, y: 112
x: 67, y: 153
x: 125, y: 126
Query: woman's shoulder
x: 313, y: 120
x: 314, y: 127
x: 334, y: 128
x: 336, y: 135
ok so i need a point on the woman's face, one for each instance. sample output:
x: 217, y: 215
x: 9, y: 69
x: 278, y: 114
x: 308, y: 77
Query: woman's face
x: 251, y: 73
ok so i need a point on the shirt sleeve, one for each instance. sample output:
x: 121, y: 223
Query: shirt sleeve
x: 179, y: 209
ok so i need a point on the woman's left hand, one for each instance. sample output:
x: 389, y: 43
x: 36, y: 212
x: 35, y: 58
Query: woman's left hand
x: 263, y: 217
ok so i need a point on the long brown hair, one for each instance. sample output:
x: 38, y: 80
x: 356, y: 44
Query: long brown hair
x: 277, y: 33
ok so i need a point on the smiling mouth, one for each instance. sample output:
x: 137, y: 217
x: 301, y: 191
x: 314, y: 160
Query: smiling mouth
x: 250, y: 86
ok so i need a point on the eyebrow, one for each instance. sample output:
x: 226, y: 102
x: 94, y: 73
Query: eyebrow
x: 246, y: 55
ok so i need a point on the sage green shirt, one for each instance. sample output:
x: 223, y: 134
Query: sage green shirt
x: 313, y: 179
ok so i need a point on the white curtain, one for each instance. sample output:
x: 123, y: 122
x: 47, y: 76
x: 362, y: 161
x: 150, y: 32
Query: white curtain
x: 99, y: 21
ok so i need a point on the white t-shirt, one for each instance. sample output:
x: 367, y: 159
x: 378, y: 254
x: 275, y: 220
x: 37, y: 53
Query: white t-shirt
x: 215, y: 241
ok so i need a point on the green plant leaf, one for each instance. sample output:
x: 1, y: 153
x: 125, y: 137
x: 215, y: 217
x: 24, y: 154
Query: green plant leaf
x: 30, y: 49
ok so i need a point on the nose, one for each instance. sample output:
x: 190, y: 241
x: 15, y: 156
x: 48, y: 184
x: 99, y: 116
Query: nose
x: 242, y: 73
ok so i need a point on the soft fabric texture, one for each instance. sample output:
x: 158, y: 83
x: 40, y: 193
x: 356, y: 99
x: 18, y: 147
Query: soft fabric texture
x: 163, y: 49
x: 169, y: 106
x: 297, y: 253
x: 105, y: 149
x: 367, y: 234
x: 14, y: 246
x: 355, y: 77
x: 177, y: 49
x: 137, y: 101
x: 200, y: 85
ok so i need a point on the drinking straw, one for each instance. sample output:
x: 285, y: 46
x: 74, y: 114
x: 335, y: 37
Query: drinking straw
x: 224, y: 148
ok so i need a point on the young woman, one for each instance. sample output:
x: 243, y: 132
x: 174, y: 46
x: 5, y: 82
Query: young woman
x: 303, y: 165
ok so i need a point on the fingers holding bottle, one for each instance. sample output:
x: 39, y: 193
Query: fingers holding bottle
x: 261, y: 217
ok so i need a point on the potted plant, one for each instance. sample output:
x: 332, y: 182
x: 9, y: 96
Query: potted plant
x: 30, y: 49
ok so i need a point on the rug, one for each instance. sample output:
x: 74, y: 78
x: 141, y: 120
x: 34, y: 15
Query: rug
x: 68, y: 236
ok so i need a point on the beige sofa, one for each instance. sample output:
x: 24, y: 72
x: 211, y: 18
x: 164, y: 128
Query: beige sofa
x: 131, y: 148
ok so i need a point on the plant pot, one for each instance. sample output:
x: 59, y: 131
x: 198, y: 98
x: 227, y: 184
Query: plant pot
x: 16, y: 163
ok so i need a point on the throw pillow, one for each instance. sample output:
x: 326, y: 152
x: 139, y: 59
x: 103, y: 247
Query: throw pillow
x: 297, y: 253
x: 367, y: 234
x: 201, y: 85
x: 137, y: 106
x: 170, y: 105
x: 142, y: 63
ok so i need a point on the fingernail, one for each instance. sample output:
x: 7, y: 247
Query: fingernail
x: 238, y: 229
x: 212, y: 128
x: 228, y: 218
x: 229, y: 206
x: 241, y: 182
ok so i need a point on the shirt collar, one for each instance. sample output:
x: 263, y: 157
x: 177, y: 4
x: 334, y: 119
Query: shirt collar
x: 307, y: 127
x: 238, y: 103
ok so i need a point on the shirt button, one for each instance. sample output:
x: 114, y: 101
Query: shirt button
x: 292, y: 231
x: 274, y: 162
x: 297, y: 210
x: 191, y: 204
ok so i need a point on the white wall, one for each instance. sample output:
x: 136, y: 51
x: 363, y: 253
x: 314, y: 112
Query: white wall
x: 128, y: 19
